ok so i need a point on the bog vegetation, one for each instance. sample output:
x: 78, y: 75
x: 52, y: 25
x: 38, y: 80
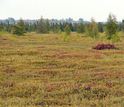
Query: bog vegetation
x: 44, y: 64
x: 45, y: 26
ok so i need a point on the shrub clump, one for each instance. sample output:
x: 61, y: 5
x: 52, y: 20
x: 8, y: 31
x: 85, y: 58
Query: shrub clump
x: 104, y: 46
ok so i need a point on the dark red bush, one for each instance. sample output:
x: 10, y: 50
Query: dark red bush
x: 104, y: 46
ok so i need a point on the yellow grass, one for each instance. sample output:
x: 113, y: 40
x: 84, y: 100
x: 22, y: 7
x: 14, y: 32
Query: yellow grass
x: 41, y: 70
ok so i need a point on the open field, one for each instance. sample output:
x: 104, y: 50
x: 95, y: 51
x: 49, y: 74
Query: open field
x: 43, y: 70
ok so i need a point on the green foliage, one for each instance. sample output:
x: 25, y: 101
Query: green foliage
x: 100, y: 27
x: 67, y: 32
x: 55, y: 28
x: 92, y: 29
x: 43, y: 26
x: 30, y: 27
x: 19, y: 28
x: 2, y: 27
x: 122, y: 26
x: 80, y: 28
x: 111, y: 27
x: 115, y: 38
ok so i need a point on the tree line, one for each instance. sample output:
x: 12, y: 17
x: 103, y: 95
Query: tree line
x: 42, y: 25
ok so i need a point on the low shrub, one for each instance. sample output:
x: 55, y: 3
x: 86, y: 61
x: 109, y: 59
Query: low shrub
x: 104, y: 46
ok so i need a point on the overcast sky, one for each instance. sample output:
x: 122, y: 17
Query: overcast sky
x: 33, y: 9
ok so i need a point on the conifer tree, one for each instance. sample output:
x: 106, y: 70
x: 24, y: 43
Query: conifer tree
x: 111, y: 28
x: 19, y: 28
x: 92, y: 29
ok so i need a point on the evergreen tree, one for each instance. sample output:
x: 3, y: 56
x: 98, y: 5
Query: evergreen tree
x: 56, y: 28
x: 42, y: 26
x: 19, y: 28
x: 100, y: 27
x: 92, y: 29
x: 1, y: 27
x: 80, y: 28
x: 111, y: 27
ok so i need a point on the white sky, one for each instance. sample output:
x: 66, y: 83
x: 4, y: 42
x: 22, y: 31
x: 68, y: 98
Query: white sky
x: 34, y: 9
